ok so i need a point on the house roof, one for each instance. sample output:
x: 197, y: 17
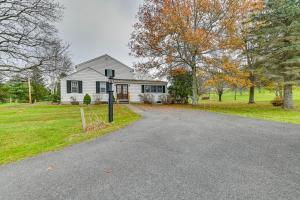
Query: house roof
x: 122, y: 80
x: 100, y: 57
x: 84, y: 70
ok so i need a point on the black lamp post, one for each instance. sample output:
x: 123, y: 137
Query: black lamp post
x: 110, y: 74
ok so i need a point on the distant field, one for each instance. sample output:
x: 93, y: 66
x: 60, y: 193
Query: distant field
x: 26, y: 130
x: 260, y: 95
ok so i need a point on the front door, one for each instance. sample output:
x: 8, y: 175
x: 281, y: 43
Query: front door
x: 122, y: 92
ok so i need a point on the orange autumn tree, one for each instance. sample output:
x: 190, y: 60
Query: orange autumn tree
x: 172, y: 33
x: 225, y: 72
x: 242, y: 40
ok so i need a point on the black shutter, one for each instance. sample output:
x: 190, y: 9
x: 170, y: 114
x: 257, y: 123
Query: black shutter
x: 143, y: 88
x: 113, y: 73
x: 105, y: 72
x: 164, y: 89
x: 97, y: 87
x: 80, y: 86
x: 68, y: 86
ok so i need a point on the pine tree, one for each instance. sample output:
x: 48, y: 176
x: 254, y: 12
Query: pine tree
x: 40, y: 92
x: 278, y: 43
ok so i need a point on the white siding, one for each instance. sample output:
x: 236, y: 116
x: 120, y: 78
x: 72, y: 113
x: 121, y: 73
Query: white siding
x: 134, y: 92
x: 88, y: 78
x: 107, y: 62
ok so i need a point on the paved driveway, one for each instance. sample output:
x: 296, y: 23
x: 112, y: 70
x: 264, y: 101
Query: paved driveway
x: 170, y: 154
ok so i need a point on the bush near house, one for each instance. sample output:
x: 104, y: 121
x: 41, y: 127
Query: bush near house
x: 181, y: 85
x: 55, y: 98
x: 74, y: 101
x: 147, y: 98
x: 87, y: 99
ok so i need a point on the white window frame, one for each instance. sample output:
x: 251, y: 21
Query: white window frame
x: 103, y: 87
x: 74, y: 87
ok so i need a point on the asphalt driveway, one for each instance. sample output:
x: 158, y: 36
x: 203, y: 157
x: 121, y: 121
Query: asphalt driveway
x: 170, y: 154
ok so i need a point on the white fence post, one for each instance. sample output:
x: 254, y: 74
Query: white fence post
x: 83, y: 119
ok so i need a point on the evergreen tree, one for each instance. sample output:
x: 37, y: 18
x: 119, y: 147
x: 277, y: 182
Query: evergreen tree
x: 278, y: 43
x: 181, y: 84
x: 18, y: 89
x: 39, y: 90
x: 4, y: 92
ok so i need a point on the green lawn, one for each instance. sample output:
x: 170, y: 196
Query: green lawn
x: 262, y: 95
x: 262, y: 109
x: 27, y: 130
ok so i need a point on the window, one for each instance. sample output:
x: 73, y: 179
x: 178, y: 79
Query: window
x: 160, y: 89
x: 100, y: 87
x: 154, y: 89
x: 74, y: 87
x: 147, y: 88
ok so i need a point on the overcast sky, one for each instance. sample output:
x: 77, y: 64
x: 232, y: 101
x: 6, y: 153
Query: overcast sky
x: 97, y: 27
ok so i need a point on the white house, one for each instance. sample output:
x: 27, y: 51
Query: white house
x: 90, y: 78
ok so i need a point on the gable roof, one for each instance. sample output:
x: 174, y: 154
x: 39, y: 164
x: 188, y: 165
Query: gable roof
x: 84, y: 70
x: 103, y: 56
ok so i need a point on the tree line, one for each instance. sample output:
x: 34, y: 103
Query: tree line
x: 221, y: 43
x: 32, y: 56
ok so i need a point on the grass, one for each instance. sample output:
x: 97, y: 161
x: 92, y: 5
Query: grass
x: 262, y: 95
x: 27, y: 130
x: 262, y: 109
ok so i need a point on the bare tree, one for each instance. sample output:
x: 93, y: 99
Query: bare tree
x: 26, y: 32
x: 59, y: 65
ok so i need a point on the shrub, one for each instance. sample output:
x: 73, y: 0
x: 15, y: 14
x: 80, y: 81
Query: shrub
x: 163, y: 99
x: 147, y: 98
x: 278, y: 101
x: 55, y: 98
x: 74, y: 101
x: 166, y: 99
x: 87, y: 99
x: 205, y: 98
x: 181, y: 85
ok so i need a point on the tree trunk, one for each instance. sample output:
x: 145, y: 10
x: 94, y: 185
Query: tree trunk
x: 220, y: 97
x: 220, y: 93
x: 280, y: 91
x: 235, y: 91
x: 194, y: 86
x: 252, y: 89
x: 288, y: 96
x: 29, y: 91
x: 251, y: 95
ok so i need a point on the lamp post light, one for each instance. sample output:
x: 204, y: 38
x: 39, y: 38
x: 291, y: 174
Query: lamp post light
x: 110, y: 74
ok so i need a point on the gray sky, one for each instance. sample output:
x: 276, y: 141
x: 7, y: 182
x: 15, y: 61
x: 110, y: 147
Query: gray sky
x: 97, y: 27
